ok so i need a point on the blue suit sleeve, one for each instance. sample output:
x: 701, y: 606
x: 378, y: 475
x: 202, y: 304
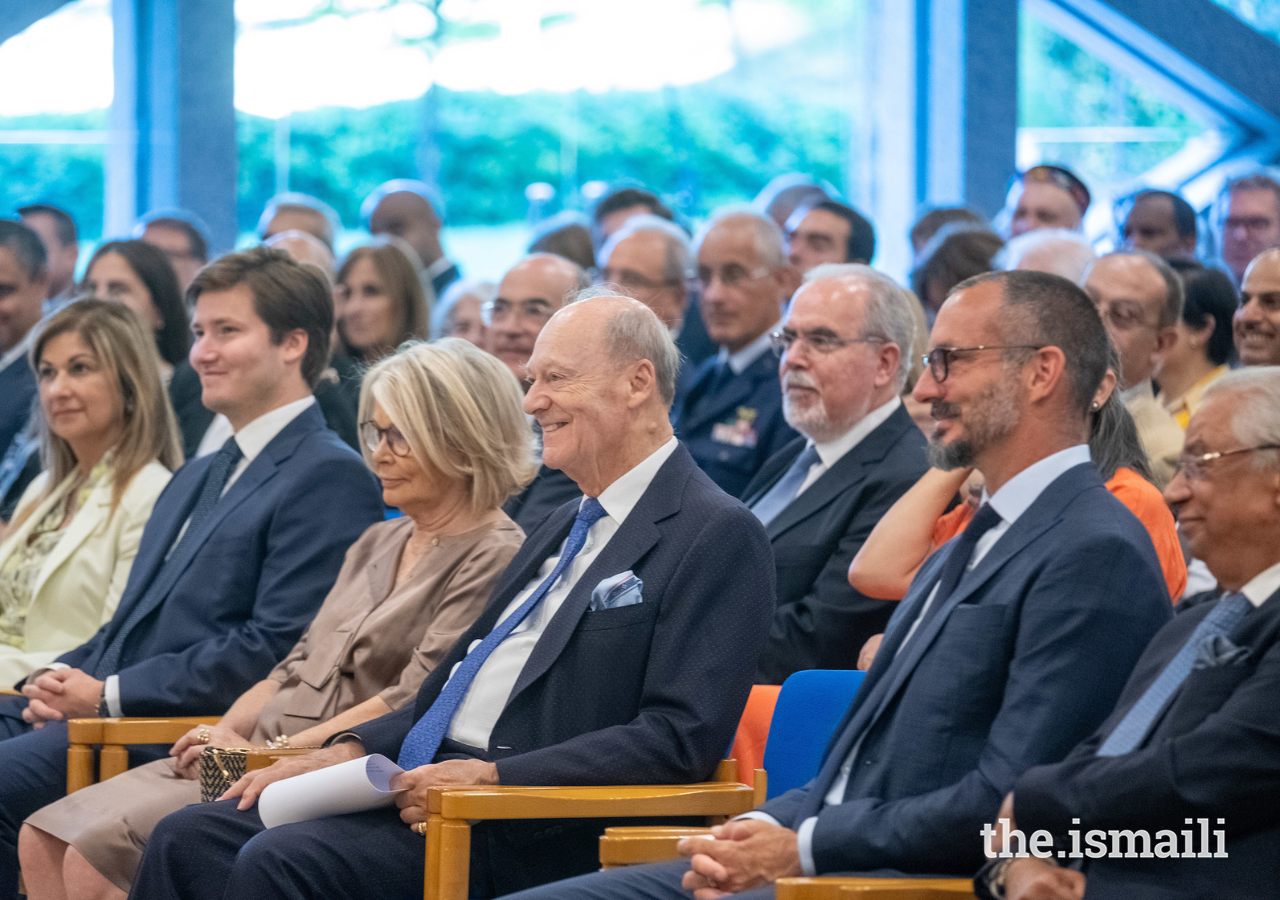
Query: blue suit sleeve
x: 386, y: 733
x: 313, y: 525
x: 1084, y: 622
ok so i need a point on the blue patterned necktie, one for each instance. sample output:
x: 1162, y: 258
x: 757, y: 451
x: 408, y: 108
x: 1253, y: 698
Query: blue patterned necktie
x: 224, y: 463
x: 1133, y: 728
x: 787, y: 487
x: 423, y: 740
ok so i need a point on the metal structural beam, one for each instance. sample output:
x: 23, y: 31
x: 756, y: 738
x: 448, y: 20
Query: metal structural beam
x: 19, y: 15
x: 173, y: 129
x: 937, y: 117
x: 1199, y: 57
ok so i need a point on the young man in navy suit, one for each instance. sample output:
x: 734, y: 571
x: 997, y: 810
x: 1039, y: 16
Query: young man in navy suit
x: 730, y: 416
x: 238, y: 554
x: 1191, y: 747
x: 846, y: 349
x: 1013, y: 640
x: 618, y: 648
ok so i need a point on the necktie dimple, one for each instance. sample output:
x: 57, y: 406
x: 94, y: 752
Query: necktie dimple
x: 787, y: 487
x: 1133, y: 728
x: 957, y: 563
x: 423, y: 740
x: 215, y: 480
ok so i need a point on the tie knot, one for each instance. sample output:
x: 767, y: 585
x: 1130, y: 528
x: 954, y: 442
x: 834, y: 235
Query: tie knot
x: 590, y: 512
x: 807, y: 458
x: 231, y: 450
x: 983, y: 521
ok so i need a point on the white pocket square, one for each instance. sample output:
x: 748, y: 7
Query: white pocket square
x: 623, y: 589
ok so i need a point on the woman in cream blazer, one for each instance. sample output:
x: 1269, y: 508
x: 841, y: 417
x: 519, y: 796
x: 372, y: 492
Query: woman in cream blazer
x: 109, y: 441
x: 80, y: 582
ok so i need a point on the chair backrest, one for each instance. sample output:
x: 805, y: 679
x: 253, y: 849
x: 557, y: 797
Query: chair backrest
x: 810, y: 706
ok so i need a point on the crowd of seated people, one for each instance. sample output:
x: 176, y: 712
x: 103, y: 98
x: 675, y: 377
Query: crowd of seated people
x: 1028, y: 496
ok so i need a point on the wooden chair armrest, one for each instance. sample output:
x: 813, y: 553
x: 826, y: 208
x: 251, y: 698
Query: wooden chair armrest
x: 512, y: 802
x: 636, y: 845
x: 133, y: 730
x: 875, y: 889
x: 260, y: 759
x: 9, y: 692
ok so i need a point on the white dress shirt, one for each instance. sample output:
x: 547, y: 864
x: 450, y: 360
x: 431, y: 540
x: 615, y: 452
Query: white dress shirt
x: 486, y: 698
x: 252, y: 439
x: 1262, y: 585
x: 831, y: 452
x: 739, y: 361
x: 1013, y: 499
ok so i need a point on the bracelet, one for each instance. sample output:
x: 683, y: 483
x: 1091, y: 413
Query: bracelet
x: 279, y: 743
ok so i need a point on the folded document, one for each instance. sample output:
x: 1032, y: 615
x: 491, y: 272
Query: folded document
x: 353, y: 786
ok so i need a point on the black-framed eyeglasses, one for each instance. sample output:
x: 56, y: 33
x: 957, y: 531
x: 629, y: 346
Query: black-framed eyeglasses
x: 372, y: 436
x: 633, y: 281
x: 535, y: 309
x: 939, y: 359
x: 1193, y: 466
x: 822, y: 341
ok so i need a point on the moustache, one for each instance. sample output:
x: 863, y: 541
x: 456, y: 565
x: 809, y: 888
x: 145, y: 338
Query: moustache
x: 940, y: 409
x: 1250, y: 327
x: 798, y: 379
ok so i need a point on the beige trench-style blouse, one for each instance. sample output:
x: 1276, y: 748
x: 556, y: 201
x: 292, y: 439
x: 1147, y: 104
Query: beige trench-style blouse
x: 370, y: 640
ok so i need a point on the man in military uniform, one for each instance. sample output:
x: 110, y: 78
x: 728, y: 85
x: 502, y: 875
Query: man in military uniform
x: 730, y: 415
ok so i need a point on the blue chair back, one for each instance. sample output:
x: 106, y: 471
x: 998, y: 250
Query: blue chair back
x: 810, y: 707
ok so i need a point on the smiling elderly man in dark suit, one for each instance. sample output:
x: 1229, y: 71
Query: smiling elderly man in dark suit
x: 1194, y: 737
x: 846, y: 350
x: 618, y: 648
x: 1010, y: 645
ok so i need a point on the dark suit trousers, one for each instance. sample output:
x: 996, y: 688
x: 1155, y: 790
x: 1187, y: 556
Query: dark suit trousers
x: 33, y: 773
x: 659, y: 881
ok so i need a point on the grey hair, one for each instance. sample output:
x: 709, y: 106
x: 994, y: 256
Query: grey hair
x: 678, y: 264
x: 770, y: 243
x: 888, y: 313
x: 442, y: 314
x: 635, y: 332
x: 1075, y: 261
x: 1171, y: 309
x: 1256, y: 423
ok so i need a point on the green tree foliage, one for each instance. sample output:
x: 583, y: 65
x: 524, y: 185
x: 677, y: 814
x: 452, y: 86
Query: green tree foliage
x: 68, y: 176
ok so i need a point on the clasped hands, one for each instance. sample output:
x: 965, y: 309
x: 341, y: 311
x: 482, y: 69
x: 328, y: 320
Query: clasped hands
x: 59, y: 694
x: 745, y: 854
x: 412, y: 784
x: 1029, y: 878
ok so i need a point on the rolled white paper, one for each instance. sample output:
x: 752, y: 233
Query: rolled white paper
x: 353, y: 786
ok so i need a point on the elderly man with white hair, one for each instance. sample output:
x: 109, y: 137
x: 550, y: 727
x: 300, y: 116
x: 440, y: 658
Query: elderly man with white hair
x: 845, y: 350
x: 617, y: 648
x: 730, y: 414
x: 649, y: 259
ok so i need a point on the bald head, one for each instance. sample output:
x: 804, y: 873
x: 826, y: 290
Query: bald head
x: 411, y: 217
x: 305, y: 248
x: 1257, y: 320
x: 745, y: 278
x: 597, y: 391
x: 529, y: 294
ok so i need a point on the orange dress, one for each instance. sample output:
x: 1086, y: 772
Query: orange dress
x: 1141, y: 497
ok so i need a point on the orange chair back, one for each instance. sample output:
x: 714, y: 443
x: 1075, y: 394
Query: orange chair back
x: 753, y: 731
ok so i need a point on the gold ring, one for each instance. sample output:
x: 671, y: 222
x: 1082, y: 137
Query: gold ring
x: 420, y: 827
x: 203, y: 734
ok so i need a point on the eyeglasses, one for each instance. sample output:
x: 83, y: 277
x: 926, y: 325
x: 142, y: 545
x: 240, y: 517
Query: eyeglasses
x: 939, y: 359
x: 823, y: 342
x: 1192, y: 466
x: 1125, y: 316
x: 373, y: 436
x: 731, y: 275
x: 1254, y: 224
x: 632, y: 281
x: 535, y: 309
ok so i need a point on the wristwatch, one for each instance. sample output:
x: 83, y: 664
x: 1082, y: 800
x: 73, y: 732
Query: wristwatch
x: 104, y: 711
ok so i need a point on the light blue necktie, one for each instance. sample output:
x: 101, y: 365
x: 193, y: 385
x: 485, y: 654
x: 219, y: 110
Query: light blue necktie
x: 214, y: 481
x: 787, y: 487
x: 1133, y: 728
x: 423, y: 740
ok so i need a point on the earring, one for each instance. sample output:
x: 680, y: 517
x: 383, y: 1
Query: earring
x: 1094, y: 406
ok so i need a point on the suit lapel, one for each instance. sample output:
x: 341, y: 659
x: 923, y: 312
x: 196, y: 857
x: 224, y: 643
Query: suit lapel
x: 772, y: 471
x: 91, y: 515
x: 739, y: 388
x: 625, y: 549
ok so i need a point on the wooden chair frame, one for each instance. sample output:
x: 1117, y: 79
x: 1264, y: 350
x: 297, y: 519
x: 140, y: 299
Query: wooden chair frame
x: 451, y: 812
x: 875, y: 889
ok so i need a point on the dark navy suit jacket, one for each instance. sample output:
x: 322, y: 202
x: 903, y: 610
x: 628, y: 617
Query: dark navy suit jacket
x: 1213, y: 753
x: 649, y: 693
x: 549, y: 490
x: 752, y: 401
x: 1024, y: 659
x: 17, y: 390
x: 248, y: 583
x: 822, y: 622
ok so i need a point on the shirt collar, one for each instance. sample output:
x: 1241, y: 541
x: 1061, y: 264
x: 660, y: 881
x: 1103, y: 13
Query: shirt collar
x: 1262, y: 585
x: 18, y: 350
x: 1023, y: 489
x: 619, y: 498
x: 830, y: 452
x: 739, y: 361
x: 254, y: 437
x: 1140, y: 391
x: 439, y: 267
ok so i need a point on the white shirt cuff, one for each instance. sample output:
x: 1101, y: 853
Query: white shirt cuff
x: 111, y: 692
x: 804, y: 842
x: 762, y: 816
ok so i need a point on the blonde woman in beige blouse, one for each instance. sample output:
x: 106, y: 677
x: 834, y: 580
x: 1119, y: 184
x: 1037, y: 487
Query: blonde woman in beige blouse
x: 442, y: 427
x: 109, y: 442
